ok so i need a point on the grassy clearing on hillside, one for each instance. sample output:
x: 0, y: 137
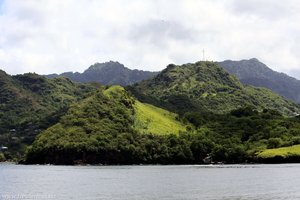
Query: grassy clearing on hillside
x: 151, y: 119
x: 115, y: 89
x: 283, y: 152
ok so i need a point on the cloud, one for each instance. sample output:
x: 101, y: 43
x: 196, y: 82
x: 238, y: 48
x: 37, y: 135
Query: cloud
x: 294, y: 73
x: 161, y: 31
x: 267, y: 9
x: 57, y: 36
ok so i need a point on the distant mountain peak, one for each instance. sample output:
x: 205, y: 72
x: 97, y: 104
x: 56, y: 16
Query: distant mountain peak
x: 255, y: 73
x: 244, y: 60
x: 99, y: 66
x: 205, y: 86
x: 254, y: 59
x: 108, y: 73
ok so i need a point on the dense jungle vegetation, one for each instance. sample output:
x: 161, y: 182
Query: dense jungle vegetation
x: 184, y: 115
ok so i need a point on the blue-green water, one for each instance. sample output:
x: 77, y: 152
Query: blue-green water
x: 227, y: 182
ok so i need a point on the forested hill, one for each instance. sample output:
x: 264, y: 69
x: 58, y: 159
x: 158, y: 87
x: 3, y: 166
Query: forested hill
x: 108, y: 127
x: 205, y: 86
x: 255, y: 73
x: 112, y: 127
x: 30, y: 103
x: 183, y: 115
x: 108, y: 73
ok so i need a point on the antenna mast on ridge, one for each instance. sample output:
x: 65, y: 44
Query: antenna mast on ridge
x: 203, y: 52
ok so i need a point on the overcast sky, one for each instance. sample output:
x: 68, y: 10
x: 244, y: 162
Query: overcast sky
x: 47, y: 36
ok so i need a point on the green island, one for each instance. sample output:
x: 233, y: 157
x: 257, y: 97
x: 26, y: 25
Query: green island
x: 187, y: 114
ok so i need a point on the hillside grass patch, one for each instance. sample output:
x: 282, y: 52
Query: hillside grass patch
x: 282, y: 152
x: 151, y: 119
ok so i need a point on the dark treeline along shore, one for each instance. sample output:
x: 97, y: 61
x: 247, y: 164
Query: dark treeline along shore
x: 186, y: 114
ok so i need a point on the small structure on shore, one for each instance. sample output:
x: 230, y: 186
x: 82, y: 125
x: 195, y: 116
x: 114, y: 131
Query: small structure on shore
x: 3, y: 148
x: 207, y: 159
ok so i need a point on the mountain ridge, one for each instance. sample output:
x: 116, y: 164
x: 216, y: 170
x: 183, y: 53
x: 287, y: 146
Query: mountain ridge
x: 207, y: 112
x: 206, y: 86
x: 255, y: 73
x: 108, y: 73
x: 179, y: 116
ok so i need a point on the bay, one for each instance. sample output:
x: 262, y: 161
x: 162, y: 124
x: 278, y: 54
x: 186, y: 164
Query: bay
x: 179, y: 182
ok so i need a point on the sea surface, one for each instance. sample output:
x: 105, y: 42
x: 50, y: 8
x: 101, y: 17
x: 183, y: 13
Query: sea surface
x: 210, y: 182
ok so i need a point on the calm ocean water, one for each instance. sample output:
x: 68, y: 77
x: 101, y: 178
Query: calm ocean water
x: 227, y: 182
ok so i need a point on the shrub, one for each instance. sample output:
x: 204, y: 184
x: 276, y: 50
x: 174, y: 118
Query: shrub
x: 274, y: 143
x: 2, y: 157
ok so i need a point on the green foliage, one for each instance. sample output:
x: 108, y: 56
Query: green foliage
x: 2, y: 157
x: 104, y: 125
x: 106, y: 128
x: 111, y: 127
x: 30, y: 103
x: 284, y: 152
x: 274, y: 143
x: 217, y: 117
x: 106, y: 113
x: 243, y: 133
x: 151, y: 119
x: 244, y: 112
x: 205, y: 87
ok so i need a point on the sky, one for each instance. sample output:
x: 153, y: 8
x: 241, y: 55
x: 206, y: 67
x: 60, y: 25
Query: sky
x: 54, y: 36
